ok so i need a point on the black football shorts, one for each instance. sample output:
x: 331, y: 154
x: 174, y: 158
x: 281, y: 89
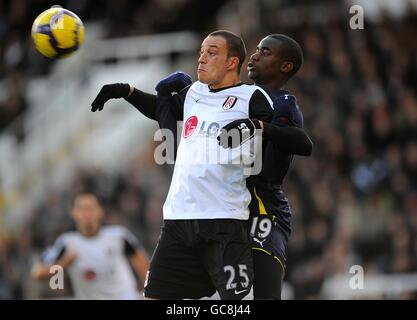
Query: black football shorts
x: 194, y: 258
x: 268, y: 236
x: 269, y: 248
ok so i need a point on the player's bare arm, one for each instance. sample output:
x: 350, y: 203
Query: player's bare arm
x: 41, y: 271
x: 140, y: 263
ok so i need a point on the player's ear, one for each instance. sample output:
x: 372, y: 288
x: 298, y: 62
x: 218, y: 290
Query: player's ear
x: 287, y: 67
x: 233, y: 63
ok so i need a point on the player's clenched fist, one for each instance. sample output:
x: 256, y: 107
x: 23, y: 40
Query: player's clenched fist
x: 175, y: 82
x: 110, y: 91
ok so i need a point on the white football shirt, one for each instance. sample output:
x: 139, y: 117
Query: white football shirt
x: 209, y: 181
x: 101, y: 269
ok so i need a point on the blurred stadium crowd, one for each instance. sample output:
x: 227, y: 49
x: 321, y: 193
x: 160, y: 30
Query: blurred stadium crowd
x: 354, y: 201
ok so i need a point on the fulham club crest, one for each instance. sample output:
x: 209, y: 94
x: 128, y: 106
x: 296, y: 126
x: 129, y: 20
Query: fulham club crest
x: 229, y: 103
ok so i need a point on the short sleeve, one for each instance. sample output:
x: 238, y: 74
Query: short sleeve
x: 54, y: 252
x: 260, y: 107
x: 131, y: 243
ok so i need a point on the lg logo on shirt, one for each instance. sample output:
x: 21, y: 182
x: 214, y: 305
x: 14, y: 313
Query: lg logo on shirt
x: 207, y: 129
x: 190, y: 126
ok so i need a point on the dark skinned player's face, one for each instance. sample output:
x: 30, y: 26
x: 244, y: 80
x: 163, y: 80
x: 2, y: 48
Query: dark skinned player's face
x: 265, y: 64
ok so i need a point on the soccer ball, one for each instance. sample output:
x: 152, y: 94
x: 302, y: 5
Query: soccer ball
x: 57, y: 33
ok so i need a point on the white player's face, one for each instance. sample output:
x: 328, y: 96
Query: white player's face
x: 213, y: 60
x: 87, y: 214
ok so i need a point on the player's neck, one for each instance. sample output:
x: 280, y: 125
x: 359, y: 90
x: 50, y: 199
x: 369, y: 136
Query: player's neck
x: 229, y: 80
x: 89, y: 233
x: 275, y: 85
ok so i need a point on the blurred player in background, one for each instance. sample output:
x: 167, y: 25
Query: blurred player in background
x: 96, y: 257
x: 287, y: 139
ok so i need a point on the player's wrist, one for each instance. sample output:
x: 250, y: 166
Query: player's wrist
x: 254, y: 124
x: 257, y: 124
x: 131, y: 89
x: 261, y: 125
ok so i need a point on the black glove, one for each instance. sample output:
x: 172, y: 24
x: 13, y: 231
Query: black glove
x: 110, y: 91
x: 237, y: 132
x: 175, y: 82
